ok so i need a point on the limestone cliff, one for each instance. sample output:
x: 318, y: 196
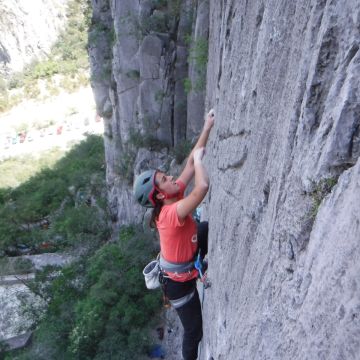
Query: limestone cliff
x: 285, y: 170
x: 28, y: 29
x: 283, y: 158
x: 141, y: 60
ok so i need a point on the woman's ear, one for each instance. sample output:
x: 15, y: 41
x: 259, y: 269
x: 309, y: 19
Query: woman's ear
x: 160, y: 196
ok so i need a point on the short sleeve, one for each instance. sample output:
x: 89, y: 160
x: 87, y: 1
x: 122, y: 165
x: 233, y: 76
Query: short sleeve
x: 169, y: 213
x: 182, y: 187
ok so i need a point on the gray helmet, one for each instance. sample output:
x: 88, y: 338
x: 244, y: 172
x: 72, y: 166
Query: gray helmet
x: 144, y: 187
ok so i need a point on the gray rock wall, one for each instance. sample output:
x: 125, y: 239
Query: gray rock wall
x: 283, y: 158
x: 284, y: 165
x: 28, y: 30
x: 197, y: 70
x: 139, y: 61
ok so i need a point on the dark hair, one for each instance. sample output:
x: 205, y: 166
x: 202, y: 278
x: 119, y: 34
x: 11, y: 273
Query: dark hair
x: 156, y: 210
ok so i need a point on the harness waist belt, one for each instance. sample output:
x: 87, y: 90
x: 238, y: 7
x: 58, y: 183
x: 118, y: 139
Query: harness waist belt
x: 176, y: 267
x: 177, y: 303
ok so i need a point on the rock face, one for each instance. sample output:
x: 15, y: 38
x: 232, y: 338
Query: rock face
x: 285, y: 170
x: 28, y: 29
x: 283, y: 158
x: 139, y: 53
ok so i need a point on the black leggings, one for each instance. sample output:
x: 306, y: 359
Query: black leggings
x: 202, y: 238
x: 190, y: 313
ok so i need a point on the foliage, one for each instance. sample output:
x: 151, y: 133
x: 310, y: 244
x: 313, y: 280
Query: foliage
x: 164, y: 16
x: 99, y: 307
x: 57, y: 193
x: 15, y: 171
x: 181, y: 150
x: 136, y: 141
x: 133, y: 74
x: 81, y: 223
x: 159, y: 4
x: 187, y: 85
x: 116, y: 308
x: 68, y: 58
x: 31, y: 90
x: 15, y: 266
x: 4, y: 96
x: 198, y: 55
x: 126, y: 165
x: 139, y: 140
x: 159, y: 96
x: 52, y: 88
x: 3, y: 348
x: 321, y: 189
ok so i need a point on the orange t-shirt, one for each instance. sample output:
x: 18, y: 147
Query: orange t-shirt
x: 178, y: 240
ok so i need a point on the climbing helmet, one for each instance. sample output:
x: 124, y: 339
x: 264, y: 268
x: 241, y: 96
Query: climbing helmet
x: 144, y: 187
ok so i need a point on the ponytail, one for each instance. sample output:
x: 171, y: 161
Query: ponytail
x: 156, y: 210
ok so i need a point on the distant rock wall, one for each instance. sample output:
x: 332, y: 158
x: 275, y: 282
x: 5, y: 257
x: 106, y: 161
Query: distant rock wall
x: 140, y: 54
x: 284, y: 204
x: 28, y: 30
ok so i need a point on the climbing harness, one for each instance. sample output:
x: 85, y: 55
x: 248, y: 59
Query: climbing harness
x: 178, y: 268
x: 200, y: 266
x: 181, y: 268
x: 177, y: 303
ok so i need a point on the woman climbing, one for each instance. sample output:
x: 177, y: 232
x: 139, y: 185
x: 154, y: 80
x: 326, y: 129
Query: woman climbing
x: 181, y: 240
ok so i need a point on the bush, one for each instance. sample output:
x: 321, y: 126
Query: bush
x: 31, y: 90
x: 45, y: 69
x: 187, y: 85
x: 47, y: 192
x: 181, y: 151
x: 4, y: 103
x: 16, y: 171
x: 16, y: 81
x: 99, y: 306
x: 15, y: 266
x: 199, y: 56
x: 4, y: 96
x: 115, y: 307
x: 81, y: 223
x: 321, y: 189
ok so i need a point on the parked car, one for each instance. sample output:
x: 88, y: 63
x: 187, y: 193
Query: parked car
x: 19, y: 249
x: 46, y: 247
x: 22, y: 136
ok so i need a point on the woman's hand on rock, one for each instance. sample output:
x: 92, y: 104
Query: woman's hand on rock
x: 210, y: 119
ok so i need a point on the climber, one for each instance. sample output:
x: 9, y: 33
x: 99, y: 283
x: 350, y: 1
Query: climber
x: 181, y: 240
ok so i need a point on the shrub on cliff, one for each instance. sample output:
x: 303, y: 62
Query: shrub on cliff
x: 99, y: 308
x: 62, y: 194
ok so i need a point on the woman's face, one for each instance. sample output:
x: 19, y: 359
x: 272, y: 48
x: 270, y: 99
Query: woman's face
x: 166, y: 183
